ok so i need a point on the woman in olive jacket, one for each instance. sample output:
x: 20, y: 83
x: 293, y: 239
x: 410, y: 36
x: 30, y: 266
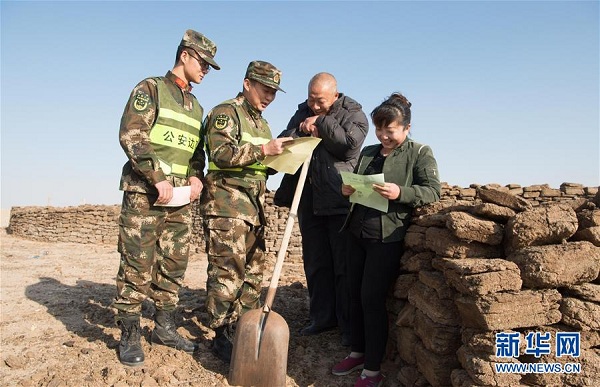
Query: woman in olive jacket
x: 376, y: 238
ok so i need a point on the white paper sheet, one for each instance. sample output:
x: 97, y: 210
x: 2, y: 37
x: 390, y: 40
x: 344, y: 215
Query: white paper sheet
x: 181, y: 197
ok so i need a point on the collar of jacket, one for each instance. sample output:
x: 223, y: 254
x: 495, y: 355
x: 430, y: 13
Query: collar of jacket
x: 404, y: 144
x: 254, y: 113
x: 183, y: 85
x: 401, y: 148
x: 337, y: 105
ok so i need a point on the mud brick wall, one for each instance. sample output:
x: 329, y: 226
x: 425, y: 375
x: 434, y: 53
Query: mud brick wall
x: 491, y: 263
x: 80, y: 224
x: 535, y: 194
x: 98, y: 223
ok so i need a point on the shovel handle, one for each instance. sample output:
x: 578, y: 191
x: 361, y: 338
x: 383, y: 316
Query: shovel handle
x: 293, y: 214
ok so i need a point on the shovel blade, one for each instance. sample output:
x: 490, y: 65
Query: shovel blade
x: 260, y: 350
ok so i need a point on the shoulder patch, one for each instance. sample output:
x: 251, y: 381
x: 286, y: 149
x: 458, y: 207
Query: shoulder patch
x: 140, y: 101
x: 221, y: 121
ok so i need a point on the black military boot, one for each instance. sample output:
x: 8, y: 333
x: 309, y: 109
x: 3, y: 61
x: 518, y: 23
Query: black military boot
x: 165, y: 333
x: 223, y: 343
x: 130, y: 347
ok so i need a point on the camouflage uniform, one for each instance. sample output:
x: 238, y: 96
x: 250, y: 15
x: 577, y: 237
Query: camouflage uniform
x: 232, y: 202
x: 159, y: 127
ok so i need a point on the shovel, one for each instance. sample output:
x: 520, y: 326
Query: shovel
x: 260, y: 347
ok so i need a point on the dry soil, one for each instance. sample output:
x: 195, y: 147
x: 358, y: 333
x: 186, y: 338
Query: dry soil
x: 57, y: 326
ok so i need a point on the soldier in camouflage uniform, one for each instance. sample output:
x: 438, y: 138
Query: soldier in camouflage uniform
x: 160, y: 134
x: 237, y: 139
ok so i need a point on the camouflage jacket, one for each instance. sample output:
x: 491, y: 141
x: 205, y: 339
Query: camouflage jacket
x: 142, y: 171
x: 226, y: 193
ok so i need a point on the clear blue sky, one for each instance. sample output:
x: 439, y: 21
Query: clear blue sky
x: 504, y: 92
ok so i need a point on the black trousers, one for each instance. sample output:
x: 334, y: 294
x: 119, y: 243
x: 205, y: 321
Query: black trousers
x: 373, y: 268
x: 324, y: 252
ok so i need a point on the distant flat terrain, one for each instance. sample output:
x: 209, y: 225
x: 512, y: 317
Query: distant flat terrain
x: 5, y: 217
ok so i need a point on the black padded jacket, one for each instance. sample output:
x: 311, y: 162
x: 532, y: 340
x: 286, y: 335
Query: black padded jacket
x: 342, y: 131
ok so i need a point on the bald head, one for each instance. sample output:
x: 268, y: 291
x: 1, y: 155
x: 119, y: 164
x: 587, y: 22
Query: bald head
x: 323, y: 81
x: 322, y: 93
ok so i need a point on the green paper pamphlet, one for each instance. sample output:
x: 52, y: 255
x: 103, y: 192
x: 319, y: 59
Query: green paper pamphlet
x: 364, y: 194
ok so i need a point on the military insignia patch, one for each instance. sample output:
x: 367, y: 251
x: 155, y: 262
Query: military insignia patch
x: 276, y: 78
x: 221, y: 121
x: 140, y: 101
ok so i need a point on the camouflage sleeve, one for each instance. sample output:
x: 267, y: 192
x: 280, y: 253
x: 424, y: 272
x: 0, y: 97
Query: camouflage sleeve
x: 134, y: 135
x: 223, y: 136
x: 197, y: 162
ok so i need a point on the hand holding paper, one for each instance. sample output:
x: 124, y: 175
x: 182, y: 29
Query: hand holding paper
x: 389, y: 191
x: 364, y: 193
x: 347, y: 190
x: 276, y: 146
x: 181, y: 197
x: 294, y: 154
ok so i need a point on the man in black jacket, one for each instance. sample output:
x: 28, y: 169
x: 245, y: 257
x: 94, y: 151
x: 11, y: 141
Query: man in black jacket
x: 342, y: 126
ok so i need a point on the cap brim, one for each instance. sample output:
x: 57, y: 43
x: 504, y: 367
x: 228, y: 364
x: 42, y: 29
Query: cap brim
x: 210, y: 61
x: 272, y: 85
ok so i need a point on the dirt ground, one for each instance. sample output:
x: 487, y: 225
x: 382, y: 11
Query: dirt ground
x: 57, y: 327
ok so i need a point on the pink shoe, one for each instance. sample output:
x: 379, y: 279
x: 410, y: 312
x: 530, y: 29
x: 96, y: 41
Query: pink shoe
x: 369, y: 381
x: 348, y: 365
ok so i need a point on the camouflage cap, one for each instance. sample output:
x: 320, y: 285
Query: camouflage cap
x: 202, y: 45
x: 265, y: 73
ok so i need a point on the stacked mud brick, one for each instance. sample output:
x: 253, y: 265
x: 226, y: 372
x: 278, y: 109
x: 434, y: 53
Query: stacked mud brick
x: 79, y: 224
x: 497, y: 263
x: 99, y: 224
x: 535, y: 194
x: 277, y: 219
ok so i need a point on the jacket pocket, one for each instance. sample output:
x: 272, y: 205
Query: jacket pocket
x: 222, y: 224
x: 236, y: 182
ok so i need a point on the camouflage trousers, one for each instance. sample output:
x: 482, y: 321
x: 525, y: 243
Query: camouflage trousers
x: 154, y: 247
x: 236, y: 259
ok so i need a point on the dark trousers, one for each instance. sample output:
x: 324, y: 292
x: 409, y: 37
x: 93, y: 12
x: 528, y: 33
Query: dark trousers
x: 373, y: 268
x: 324, y: 251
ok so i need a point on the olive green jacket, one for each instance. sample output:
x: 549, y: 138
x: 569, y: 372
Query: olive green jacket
x: 413, y: 168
